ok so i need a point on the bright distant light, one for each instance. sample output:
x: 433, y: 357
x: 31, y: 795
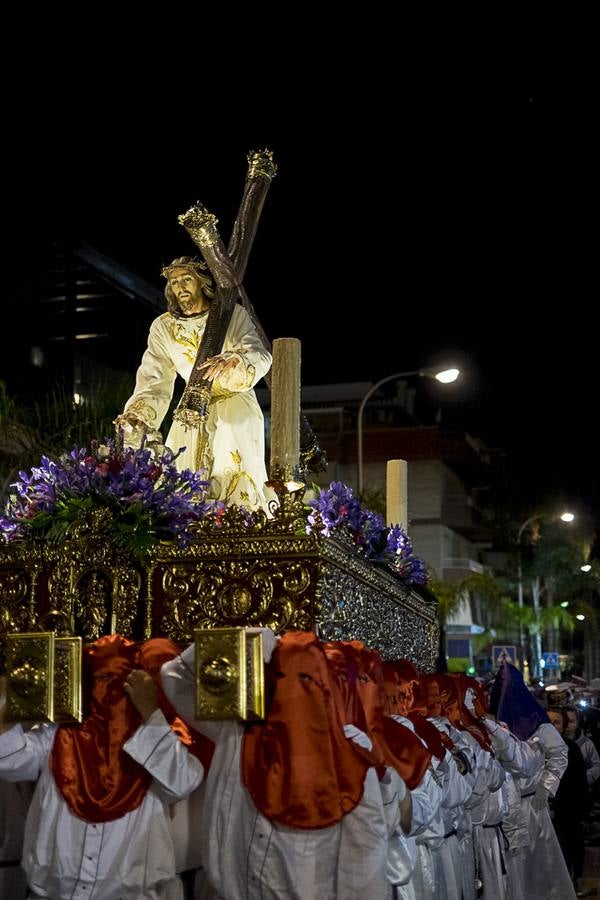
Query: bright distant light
x: 586, y: 568
x: 564, y: 604
x: 77, y: 399
x: 37, y: 356
x: 567, y: 517
x: 447, y: 375
x: 583, y: 702
x: 580, y: 616
x: 542, y: 663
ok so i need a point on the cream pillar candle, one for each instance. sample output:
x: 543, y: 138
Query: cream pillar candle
x: 285, y: 410
x: 397, y: 493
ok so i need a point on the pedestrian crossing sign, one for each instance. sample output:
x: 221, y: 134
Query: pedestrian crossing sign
x: 504, y: 654
x: 550, y: 660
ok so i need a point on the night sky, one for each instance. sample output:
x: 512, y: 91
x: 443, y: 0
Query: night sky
x: 415, y: 219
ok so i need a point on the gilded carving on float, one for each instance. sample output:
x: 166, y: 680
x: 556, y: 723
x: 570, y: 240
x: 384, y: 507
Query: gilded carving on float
x: 269, y: 591
x: 270, y: 574
x: 18, y: 574
x: 97, y: 585
x: 92, y: 597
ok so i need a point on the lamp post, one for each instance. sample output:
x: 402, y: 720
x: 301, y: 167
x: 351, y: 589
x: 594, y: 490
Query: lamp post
x: 445, y: 376
x: 564, y: 517
x: 520, y: 582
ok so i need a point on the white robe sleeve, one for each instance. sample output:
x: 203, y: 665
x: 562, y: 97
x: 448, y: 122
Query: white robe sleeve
x: 517, y: 757
x: 390, y: 786
x: 243, y: 342
x: 428, y: 795
x: 156, y: 747
x: 23, y: 754
x: 476, y: 777
x: 457, y: 789
x: 591, y: 759
x: 514, y: 821
x: 154, y: 381
x: 479, y: 773
x: 426, y: 801
x: 556, y: 756
x: 179, y: 684
x: 495, y: 773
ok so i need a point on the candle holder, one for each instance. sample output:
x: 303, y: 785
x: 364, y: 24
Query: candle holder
x: 287, y: 483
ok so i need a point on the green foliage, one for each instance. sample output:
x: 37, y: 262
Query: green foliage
x: 55, y: 526
x: 134, y: 528
x: 481, y: 641
x: 545, y: 617
x: 373, y: 499
x: 451, y: 596
x: 507, y: 615
x: 555, y: 552
x: 53, y: 424
x: 458, y: 664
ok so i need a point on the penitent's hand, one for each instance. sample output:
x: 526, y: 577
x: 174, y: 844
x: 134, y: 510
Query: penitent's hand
x: 217, y: 366
x: 142, y: 692
x: 540, y: 799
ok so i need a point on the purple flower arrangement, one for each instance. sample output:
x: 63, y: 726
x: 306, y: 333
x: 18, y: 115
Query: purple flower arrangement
x: 338, y: 508
x: 148, y: 499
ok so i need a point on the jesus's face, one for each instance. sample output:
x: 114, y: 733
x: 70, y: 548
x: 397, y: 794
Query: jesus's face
x: 187, y: 291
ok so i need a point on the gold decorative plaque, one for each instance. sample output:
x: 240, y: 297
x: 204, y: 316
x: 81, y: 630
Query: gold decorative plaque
x: 67, y: 680
x: 43, y: 678
x: 229, y: 674
x: 30, y: 677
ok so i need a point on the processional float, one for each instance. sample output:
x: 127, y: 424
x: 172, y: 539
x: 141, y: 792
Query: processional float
x: 270, y: 573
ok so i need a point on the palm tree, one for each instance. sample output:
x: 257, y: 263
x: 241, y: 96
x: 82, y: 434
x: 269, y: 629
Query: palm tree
x: 452, y: 595
x: 556, y: 576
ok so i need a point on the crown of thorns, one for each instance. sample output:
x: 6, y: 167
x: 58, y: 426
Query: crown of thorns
x: 185, y: 262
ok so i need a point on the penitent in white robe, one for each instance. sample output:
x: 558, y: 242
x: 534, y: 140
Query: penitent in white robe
x: 538, y: 871
x: 231, y: 446
x: 14, y: 803
x: 67, y: 858
x: 248, y: 857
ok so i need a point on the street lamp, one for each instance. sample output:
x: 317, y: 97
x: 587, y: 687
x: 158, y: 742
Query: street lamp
x: 564, y: 517
x: 445, y: 376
